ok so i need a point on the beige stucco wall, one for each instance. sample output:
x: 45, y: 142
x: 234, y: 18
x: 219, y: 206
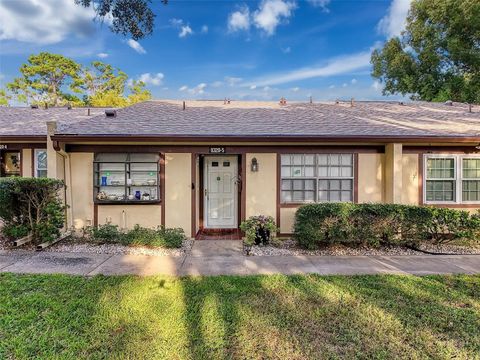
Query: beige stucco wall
x: 178, y: 191
x: 26, y: 158
x: 410, y: 189
x: 393, y: 173
x: 127, y: 216
x: 81, y: 165
x: 261, y: 186
x: 287, y: 219
x: 370, y: 178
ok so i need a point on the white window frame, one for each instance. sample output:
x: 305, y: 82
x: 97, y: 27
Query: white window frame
x: 35, y: 160
x: 458, y: 179
x: 316, y: 177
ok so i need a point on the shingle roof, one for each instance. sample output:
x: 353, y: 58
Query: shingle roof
x: 206, y: 118
x: 25, y: 121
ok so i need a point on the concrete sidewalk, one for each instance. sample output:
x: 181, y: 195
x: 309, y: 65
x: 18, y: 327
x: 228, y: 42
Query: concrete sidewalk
x: 226, y: 258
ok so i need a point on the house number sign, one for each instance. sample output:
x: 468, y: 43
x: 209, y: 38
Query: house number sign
x: 217, y: 150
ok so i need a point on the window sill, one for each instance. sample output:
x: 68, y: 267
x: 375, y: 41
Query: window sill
x: 454, y: 205
x: 127, y: 202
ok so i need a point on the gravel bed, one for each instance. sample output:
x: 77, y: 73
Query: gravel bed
x: 289, y: 247
x: 79, y: 246
x: 451, y: 249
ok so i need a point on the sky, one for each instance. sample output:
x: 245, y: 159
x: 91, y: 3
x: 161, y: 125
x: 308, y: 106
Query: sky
x: 245, y: 50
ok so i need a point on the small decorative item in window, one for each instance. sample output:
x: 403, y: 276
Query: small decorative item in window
x: 138, y: 195
x: 146, y: 196
x: 104, y: 181
x: 254, y: 165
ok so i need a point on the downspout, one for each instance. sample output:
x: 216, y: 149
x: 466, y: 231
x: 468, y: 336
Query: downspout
x: 67, y: 175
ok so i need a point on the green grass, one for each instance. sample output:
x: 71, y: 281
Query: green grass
x: 258, y: 317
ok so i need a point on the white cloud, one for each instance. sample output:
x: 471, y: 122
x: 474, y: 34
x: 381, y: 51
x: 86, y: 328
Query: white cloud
x: 271, y: 13
x: 184, y: 31
x: 335, y: 66
x: 102, y: 55
x: 197, y: 90
x: 353, y: 81
x: 152, y: 79
x: 232, y: 81
x: 239, y: 20
x: 204, y: 29
x: 344, y: 85
x: 393, y: 23
x: 216, y: 84
x: 176, y: 22
x: 266, y: 88
x: 44, y: 22
x: 331, y: 87
x: 295, y: 89
x: 136, y: 46
x: 286, y: 50
x: 320, y: 4
x: 253, y: 87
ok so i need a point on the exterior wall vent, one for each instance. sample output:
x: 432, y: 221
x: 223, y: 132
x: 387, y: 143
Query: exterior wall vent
x: 34, y: 106
x: 111, y: 113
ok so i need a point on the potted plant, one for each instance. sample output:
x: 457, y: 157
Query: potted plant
x: 258, y: 230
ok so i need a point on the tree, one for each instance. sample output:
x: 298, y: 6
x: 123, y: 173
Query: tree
x: 4, y: 98
x: 138, y: 92
x: 437, y: 57
x: 102, y: 81
x: 132, y: 18
x: 45, y: 78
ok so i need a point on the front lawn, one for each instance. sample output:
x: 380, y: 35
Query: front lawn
x: 258, y: 317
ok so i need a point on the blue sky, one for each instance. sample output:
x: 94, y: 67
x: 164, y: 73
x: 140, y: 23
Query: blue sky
x: 258, y: 50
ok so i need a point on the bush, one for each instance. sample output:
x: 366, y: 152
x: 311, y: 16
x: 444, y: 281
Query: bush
x: 381, y: 224
x: 31, y: 205
x: 258, y: 229
x: 106, y: 234
x: 138, y: 236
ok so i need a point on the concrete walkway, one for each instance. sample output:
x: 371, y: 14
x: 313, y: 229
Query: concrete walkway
x: 226, y: 258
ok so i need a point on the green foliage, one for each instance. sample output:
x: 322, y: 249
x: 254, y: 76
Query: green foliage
x: 106, y: 233
x: 381, y: 224
x: 53, y: 80
x: 253, y: 224
x: 44, y: 79
x: 161, y: 237
x: 437, y: 58
x: 138, y: 236
x: 133, y: 18
x: 31, y: 205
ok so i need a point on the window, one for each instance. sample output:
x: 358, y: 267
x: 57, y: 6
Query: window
x: 126, y: 177
x: 10, y: 164
x: 452, y: 179
x: 40, y: 163
x: 316, y: 178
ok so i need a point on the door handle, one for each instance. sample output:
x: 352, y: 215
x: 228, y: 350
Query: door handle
x: 206, y: 193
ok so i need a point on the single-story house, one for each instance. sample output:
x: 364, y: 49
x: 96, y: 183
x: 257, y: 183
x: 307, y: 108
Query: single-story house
x: 208, y: 165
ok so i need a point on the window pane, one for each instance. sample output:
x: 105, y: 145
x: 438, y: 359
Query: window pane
x: 309, y: 159
x: 309, y: 185
x: 285, y: 160
x: 334, y: 184
x: 323, y: 171
x: 286, y: 171
x: 286, y: 196
x: 334, y: 159
x: 346, y: 184
x: 471, y: 168
x: 322, y: 159
x: 347, y: 159
x: 440, y: 190
x: 471, y: 190
x: 114, y: 157
x: 335, y: 196
x: 346, y: 196
x: 297, y: 159
x: 297, y: 171
x: 297, y: 184
x: 442, y: 168
x: 346, y: 171
x: 286, y: 184
x: 309, y: 171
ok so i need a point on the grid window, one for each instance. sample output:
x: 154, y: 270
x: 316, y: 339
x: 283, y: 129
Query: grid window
x: 440, y: 183
x: 452, y: 179
x: 40, y: 163
x: 471, y: 179
x: 316, y: 178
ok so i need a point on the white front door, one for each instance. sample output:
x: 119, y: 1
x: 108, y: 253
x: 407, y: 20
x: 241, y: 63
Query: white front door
x: 220, y: 174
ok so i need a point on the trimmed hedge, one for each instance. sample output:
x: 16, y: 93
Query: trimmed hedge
x: 381, y: 224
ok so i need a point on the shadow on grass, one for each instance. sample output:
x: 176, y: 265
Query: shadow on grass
x: 256, y: 317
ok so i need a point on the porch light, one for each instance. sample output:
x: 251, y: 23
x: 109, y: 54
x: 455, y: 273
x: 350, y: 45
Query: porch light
x: 477, y: 147
x: 254, y: 165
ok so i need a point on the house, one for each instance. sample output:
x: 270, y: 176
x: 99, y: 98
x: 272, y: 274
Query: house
x: 207, y: 165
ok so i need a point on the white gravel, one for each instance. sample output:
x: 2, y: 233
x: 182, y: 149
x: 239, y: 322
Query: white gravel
x: 81, y: 246
x: 289, y: 247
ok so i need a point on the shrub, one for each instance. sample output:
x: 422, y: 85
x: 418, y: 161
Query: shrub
x: 106, y: 233
x: 381, y: 224
x: 31, y: 205
x: 138, y: 236
x: 258, y: 229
